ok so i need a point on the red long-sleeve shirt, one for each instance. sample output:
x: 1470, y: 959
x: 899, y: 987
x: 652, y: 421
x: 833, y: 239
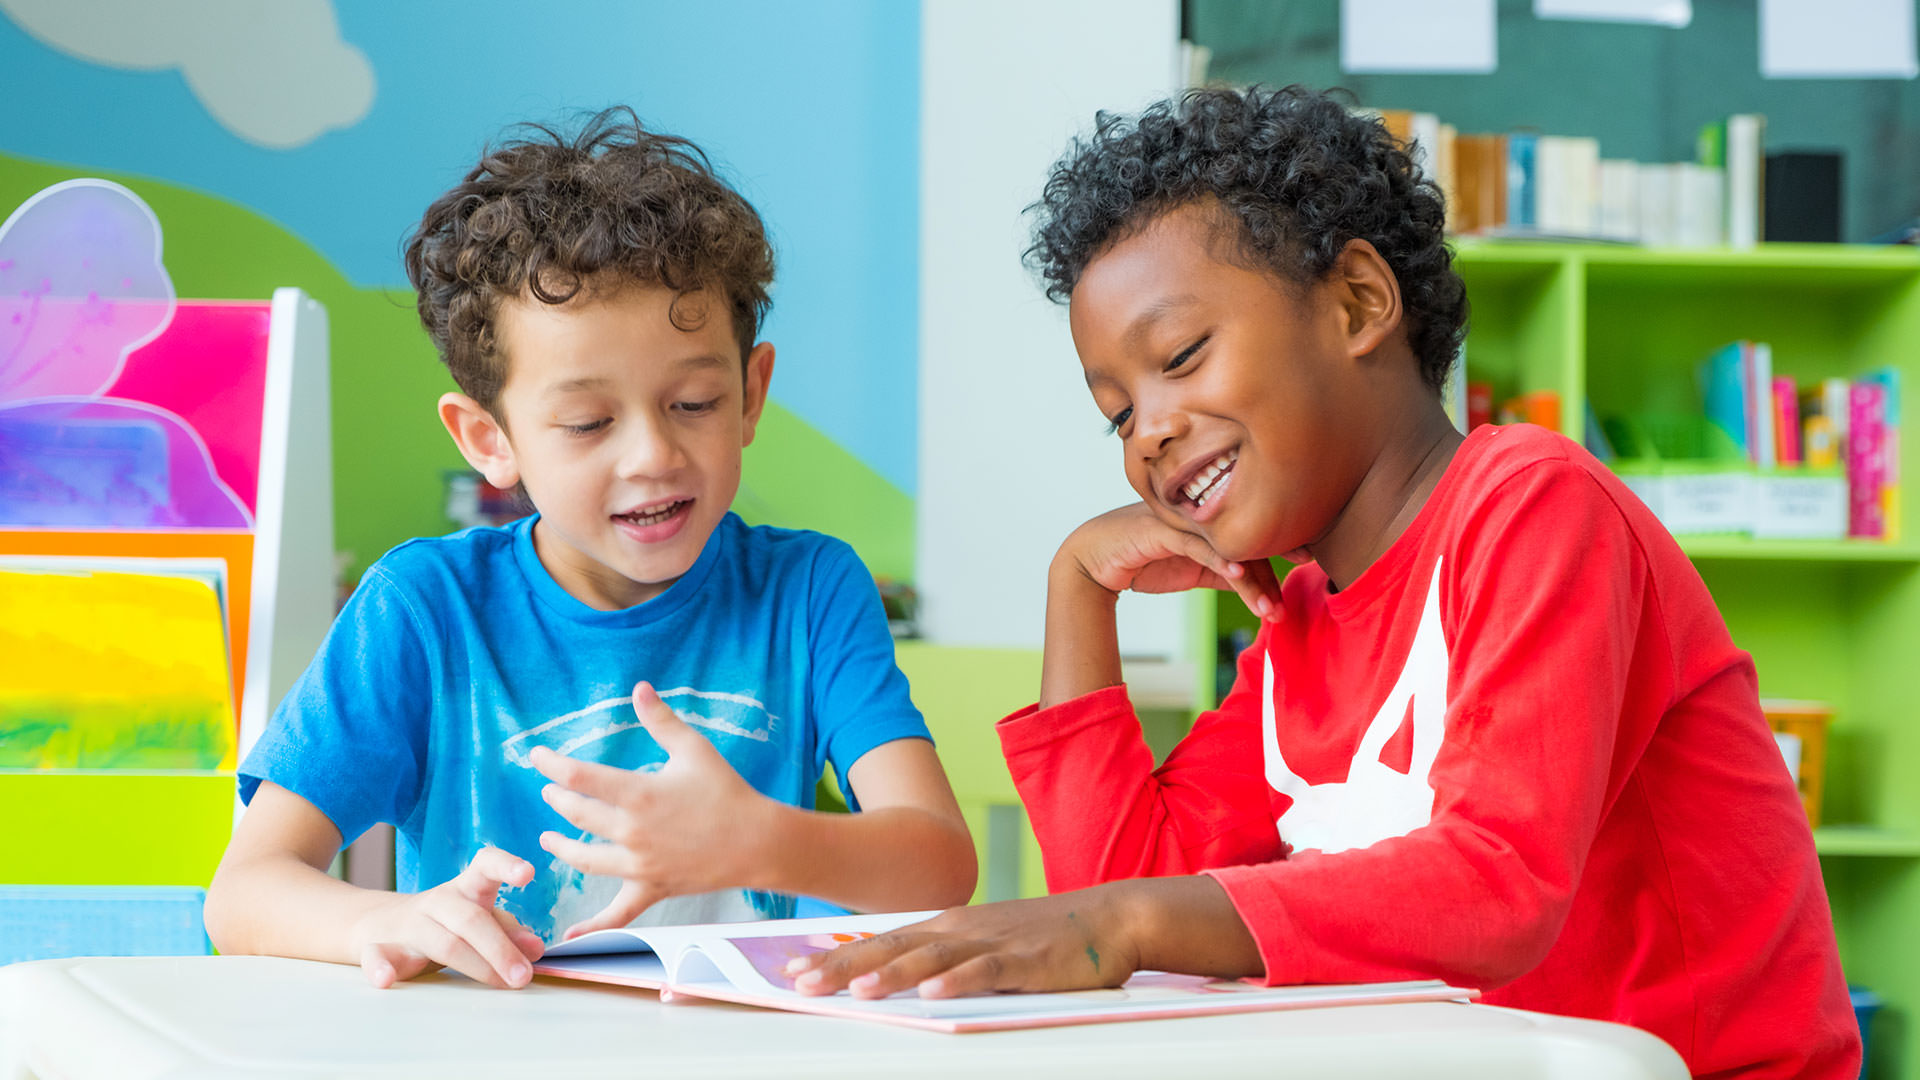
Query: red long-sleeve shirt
x: 1519, y: 753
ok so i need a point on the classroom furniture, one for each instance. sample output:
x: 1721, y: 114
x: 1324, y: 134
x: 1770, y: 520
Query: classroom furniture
x: 106, y: 826
x: 150, y: 435
x: 1835, y: 621
x: 216, y: 1017
x: 42, y: 921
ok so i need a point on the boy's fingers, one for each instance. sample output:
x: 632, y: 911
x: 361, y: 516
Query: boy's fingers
x: 627, y: 905
x: 385, y: 964
x: 611, y: 860
x: 936, y: 955
x: 583, y: 811
x: 983, y: 974
x: 603, y: 782
x: 478, y: 948
x: 674, y: 735
x: 832, y: 972
x: 489, y: 869
x: 1253, y: 594
x: 482, y: 934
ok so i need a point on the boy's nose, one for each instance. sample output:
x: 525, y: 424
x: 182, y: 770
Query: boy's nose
x: 1155, y: 429
x: 649, y: 451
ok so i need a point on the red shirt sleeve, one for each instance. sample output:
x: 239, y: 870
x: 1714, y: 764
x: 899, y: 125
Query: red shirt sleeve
x: 1102, y: 812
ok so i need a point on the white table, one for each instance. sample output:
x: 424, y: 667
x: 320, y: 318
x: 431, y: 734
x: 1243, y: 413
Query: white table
x: 218, y: 1018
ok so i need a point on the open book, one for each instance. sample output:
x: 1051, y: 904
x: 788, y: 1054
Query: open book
x: 745, y: 963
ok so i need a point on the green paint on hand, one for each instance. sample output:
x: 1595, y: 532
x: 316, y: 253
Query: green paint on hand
x: 1093, y: 955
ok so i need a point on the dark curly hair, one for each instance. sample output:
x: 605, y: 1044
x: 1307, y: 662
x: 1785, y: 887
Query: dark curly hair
x: 548, y: 216
x: 1296, y: 175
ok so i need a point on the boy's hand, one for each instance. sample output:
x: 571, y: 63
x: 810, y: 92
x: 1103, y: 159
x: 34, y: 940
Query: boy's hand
x: 1072, y: 941
x: 453, y: 925
x: 1080, y: 940
x: 1130, y: 548
x: 687, y: 828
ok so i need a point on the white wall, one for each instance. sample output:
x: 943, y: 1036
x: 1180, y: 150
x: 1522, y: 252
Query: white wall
x: 1013, y: 453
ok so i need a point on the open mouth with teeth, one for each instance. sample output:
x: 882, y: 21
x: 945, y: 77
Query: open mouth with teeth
x: 654, y: 515
x: 1211, y: 480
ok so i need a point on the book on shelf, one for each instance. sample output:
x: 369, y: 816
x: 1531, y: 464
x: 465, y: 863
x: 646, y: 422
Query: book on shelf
x: 1525, y: 184
x: 1523, y: 194
x: 745, y: 963
x: 1786, y: 420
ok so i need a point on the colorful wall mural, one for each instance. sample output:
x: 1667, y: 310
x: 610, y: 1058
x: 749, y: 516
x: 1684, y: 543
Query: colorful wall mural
x: 296, y: 146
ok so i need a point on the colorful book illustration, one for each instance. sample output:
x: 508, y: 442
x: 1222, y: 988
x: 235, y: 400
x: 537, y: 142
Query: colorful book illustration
x: 120, y: 664
x: 745, y: 963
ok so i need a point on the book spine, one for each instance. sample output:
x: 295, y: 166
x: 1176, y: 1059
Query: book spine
x: 1746, y: 169
x: 1760, y: 400
x: 1723, y: 386
x: 1619, y: 200
x: 1889, y: 380
x: 1786, y: 420
x: 1522, y: 187
x: 1866, y: 446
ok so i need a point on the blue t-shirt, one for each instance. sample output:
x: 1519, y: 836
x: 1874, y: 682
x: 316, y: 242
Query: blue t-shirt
x: 456, y: 656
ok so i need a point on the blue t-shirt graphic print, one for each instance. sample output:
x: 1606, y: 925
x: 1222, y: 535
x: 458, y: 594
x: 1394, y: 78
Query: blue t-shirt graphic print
x: 457, y: 656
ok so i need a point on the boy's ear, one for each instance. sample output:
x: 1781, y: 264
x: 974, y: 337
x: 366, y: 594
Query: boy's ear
x: 759, y: 374
x: 1369, y: 296
x: 482, y: 439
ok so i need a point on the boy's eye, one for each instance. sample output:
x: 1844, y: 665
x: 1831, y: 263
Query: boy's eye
x: 1118, y: 420
x: 697, y: 407
x: 1185, y: 354
x: 587, y: 428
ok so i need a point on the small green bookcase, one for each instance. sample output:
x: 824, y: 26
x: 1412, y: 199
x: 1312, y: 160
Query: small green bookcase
x: 1839, y: 621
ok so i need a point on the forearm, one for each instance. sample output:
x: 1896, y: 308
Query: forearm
x: 277, y: 905
x: 896, y: 858
x: 1082, y: 652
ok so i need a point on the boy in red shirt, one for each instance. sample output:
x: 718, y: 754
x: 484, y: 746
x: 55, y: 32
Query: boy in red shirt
x: 1493, y: 729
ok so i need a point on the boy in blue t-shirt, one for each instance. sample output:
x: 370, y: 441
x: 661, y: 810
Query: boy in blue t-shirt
x: 597, y: 300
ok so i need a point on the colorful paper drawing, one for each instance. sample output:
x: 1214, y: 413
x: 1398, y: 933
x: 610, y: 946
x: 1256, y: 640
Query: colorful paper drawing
x: 108, y: 670
x: 82, y: 287
x: 770, y: 955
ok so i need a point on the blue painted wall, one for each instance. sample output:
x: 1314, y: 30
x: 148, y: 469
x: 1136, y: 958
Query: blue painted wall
x: 812, y: 109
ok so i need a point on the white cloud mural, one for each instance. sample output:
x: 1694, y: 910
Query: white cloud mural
x: 275, y: 74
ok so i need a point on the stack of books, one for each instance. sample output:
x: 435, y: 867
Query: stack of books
x: 1768, y: 457
x: 1524, y: 184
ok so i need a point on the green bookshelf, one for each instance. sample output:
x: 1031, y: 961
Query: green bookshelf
x: 1625, y: 327
x: 1837, y: 621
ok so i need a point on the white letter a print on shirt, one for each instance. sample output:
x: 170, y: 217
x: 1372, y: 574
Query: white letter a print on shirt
x: 1375, y: 801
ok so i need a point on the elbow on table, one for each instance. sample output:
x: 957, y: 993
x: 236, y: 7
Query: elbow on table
x: 1511, y: 944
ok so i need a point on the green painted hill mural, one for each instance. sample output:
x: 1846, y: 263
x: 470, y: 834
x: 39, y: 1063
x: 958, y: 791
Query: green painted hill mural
x: 389, y: 451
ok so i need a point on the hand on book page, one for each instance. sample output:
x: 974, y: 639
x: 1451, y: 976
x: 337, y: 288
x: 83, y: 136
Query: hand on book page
x: 1077, y: 940
x: 749, y: 964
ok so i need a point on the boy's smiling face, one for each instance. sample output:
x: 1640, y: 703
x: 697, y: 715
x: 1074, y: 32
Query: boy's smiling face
x: 1240, y: 399
x: 625, y: 429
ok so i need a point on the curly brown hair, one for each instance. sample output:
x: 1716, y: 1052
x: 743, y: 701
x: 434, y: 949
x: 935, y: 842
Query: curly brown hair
x: 548, y: 216
x: 1295, y: 174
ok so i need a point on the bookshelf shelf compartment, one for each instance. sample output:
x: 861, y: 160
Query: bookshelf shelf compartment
x: 1837, y: 551
x: 1865, y: 840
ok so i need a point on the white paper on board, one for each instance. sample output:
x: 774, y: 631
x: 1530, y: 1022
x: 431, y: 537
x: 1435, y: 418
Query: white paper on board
x: 1401, y: 36
x: 1673, y: 13
x: 1837, y: 39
